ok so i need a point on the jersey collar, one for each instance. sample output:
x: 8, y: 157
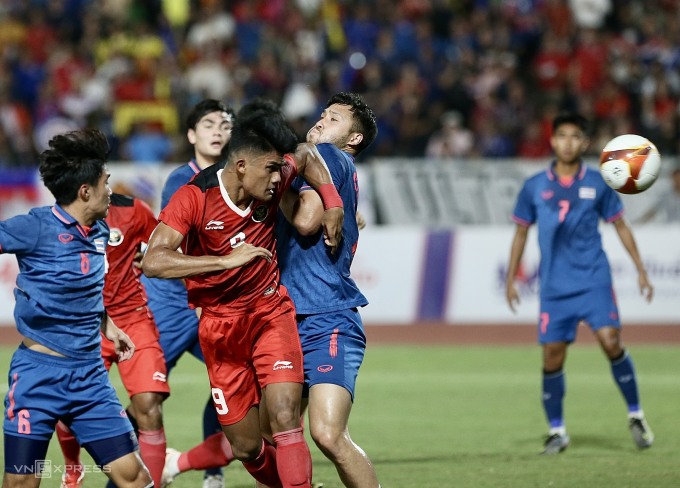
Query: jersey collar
x: 552, y: 176
x: 194, y: 166
x: 67, y: 219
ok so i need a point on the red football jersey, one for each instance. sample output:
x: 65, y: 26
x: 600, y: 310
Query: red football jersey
x: 131, y: 222
x: 213, y: 225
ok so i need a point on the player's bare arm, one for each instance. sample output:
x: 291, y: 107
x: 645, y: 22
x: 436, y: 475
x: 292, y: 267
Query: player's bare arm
x: 628, y: 241
x: 123, y: 345
x: 303, y: 210
x: 516, y: 251
x: 162, y: 260
x: 312, y: 167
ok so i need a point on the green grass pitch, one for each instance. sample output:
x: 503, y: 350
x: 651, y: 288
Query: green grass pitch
x: 470, y: 417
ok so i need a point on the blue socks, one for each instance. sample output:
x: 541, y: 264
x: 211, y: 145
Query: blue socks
x: 553, y: 394
x: 624, y: 375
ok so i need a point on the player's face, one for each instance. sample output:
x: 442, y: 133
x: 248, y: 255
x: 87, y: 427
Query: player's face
x: 100, y: 196
x: 568, y: 142
x: 211, y: 134
x: 262, y: 175
x: 334, y: 127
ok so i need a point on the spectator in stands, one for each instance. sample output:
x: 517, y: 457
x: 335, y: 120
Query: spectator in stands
x: 452, y: 140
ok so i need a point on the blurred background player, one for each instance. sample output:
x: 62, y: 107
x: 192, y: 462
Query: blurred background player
x: 57, y: 372
x: 131, y: 222
x: 326, y: 298
x: 208, y: 131
x: 567, y: 202
x: 224, y: 220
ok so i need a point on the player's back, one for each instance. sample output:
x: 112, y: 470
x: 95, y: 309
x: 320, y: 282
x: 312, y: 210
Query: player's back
x: 131, y: 222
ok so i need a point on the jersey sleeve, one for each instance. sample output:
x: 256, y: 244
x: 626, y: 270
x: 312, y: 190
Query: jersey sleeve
x: 525, y: 211
x: 183, y: 209
x: 611, y: 207
x: 19, y: 235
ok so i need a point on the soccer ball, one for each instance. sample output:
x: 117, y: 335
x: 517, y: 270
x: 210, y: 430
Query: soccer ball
x: 630, y: 163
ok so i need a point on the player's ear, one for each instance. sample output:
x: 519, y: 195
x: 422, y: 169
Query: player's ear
x: 84, y: 192
x: 191, y: 135
x: 355, y: 138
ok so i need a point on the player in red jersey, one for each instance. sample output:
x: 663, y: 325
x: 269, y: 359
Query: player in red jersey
x: 144, y: 376
x: 224, y: 221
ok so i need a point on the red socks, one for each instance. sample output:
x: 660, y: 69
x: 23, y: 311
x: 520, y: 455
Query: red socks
x: 69, y: 445
x: 152, y: 446
x: 214, y: 452
x: 263, y: 467
x: 293, y: 459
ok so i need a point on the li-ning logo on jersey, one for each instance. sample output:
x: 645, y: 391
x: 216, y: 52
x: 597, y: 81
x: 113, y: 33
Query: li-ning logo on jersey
x: 214, y: 225
x: 260, y: 213
x: 116, y: 237
x: 158, y: 376
x: 282, y: 365
x: 586, y: 192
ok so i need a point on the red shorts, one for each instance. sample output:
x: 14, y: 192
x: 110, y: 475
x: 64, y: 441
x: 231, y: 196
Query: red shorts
x: 145, y: 372
x: 247, y: 351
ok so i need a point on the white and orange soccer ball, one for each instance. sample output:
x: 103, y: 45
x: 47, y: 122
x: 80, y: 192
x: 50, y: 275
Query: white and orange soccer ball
x: 630, y: 163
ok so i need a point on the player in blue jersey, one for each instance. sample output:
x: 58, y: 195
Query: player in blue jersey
x: 57, y: 372
x: 325, y: 296
x: 208, y: 130
x: 567, y: 201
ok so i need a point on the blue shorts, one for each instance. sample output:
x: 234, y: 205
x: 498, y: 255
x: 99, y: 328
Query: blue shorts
x: 333, y: 346
x: 560, y: 317
x: 44, y: 389
x: 177, y: 323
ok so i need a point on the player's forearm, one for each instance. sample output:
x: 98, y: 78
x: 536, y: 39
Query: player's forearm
x: 628, y: 241
x: 170, y: 264
x: 516, y: 252
x: 312, y: 166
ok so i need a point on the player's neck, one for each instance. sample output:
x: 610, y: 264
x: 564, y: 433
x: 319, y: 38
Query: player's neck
x: 563, y: 168
x: 203, y: 162
x: 237, y: 194
x: 80, y: 214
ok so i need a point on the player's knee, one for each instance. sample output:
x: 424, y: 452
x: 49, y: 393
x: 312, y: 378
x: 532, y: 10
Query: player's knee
x: 329, y: 440
x: 246, y: 450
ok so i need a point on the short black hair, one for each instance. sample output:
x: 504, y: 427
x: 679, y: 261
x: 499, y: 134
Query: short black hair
x: 261, y: 126
x: 571, y: 118
x: 364, y: 118
x: 73, y: 159
x: 204, y: 107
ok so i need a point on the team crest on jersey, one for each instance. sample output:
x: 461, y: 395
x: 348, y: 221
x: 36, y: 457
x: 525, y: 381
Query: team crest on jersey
x: 586, y: 192
x: 260, y: 213
x: 116, y: 238
x: 547, y: 194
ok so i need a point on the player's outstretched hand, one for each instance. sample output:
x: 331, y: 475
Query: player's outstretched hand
x: 244, y: 254
x: 122, y: 343
x: 512, y: 297
x: 646, y: 287
x: 332, y: 227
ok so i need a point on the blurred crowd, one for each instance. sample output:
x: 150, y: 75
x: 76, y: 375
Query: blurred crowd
x: 447, y: 79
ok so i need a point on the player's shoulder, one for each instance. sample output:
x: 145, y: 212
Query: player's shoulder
x: 207, y: 178
x: 333, y: 154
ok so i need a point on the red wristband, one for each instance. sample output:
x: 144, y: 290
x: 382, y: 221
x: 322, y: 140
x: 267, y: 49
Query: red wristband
x: 329, y: 196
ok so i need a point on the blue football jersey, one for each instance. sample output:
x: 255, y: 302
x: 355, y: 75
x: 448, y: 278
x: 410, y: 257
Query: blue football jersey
x: 58, y: 293
x: 316, y: 280
x: 568, y: 215
x: 158, y: 289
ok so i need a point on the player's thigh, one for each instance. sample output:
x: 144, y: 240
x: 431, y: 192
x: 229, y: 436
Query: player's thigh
x: 228, y: 359
x: 329, y: 409
x: 178, y: 328
x: 145, y: 372
x: 600, y: 309
x: 558, y: 320
x: 96, y: 411
x: 37, y: 395
x: 333, y: 345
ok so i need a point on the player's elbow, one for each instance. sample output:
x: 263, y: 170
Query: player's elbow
x: 150, y: 266
x: 306, y: 227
